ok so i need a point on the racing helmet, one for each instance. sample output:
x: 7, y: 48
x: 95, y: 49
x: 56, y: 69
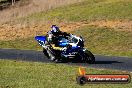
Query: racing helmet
x: 55, y: 28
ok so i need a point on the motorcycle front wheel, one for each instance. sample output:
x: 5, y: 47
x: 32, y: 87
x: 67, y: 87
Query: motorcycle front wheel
x: 89, y: 57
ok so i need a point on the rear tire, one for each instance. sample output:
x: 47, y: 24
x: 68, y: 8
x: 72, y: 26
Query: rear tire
x: 49, y: 55
x: 45, y: 53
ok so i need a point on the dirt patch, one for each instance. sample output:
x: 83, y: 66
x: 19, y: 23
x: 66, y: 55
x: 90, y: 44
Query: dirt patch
x: 10, y: 32
x: 117, y: 25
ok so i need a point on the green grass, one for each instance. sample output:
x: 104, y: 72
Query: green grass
x: 14, y: 74
x: 28, y: 43
x: 87, y: 10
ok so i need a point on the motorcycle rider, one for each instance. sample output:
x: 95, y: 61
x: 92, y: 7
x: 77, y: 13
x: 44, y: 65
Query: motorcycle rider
x: 53, y: 32
x: 55, y: 29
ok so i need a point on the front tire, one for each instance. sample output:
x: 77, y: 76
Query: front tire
x: 89, y: 57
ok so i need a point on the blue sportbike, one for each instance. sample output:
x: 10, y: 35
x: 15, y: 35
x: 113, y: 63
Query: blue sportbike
x: 64, y: 47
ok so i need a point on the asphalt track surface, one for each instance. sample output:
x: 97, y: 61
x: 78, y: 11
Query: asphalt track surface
x: 102, y: 62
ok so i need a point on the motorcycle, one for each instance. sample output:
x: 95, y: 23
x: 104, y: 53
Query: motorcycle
x: 64, y: 48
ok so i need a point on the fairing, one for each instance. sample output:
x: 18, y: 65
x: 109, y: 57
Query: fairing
x: 41, y: 40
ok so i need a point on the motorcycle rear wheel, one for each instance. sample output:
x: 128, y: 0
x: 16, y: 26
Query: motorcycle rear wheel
x: 45, y: 53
